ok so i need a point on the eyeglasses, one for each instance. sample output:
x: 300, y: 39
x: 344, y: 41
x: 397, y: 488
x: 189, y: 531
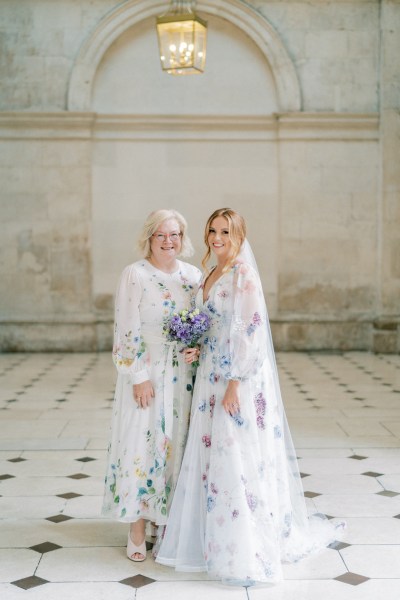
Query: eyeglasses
x: 162, y: 237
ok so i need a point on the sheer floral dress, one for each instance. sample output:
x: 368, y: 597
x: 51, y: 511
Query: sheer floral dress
x: 238, y: 510
x: 146, y: 446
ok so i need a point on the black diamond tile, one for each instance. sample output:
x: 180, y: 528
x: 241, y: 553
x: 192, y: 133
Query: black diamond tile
x: 357, y: 457
x: 16, y: 460
x: 59, y: 518
x: 137, y: 581
x: 29, y: 582
x: 329, y: 517
x: 372, y: 474
x: 78, y: 476
x: 302, y: 475
x: 6, y: 476
x: 338, y: 545
x: 85, y: 459
x: 396, y: 517
x: 352, y: 578
x: 45, y: 547
x: 388, y: 494
x: 311, y: 494
x: 68, y: 495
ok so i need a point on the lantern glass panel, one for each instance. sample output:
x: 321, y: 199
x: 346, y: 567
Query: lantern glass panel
x: 182, y: 45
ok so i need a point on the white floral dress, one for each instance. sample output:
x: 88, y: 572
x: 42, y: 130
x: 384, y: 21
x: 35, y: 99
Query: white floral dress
x: 146, y: 447
x: 238, y: 510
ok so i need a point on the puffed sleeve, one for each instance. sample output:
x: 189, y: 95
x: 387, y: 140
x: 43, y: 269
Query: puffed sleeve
x: 248, y: 346
x: 129, y: 350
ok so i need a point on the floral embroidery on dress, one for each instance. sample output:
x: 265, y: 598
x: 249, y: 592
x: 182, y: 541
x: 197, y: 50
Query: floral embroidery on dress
x: 260, y: 404
x: 143, y: 462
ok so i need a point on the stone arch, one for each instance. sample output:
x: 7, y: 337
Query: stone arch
x: 236, y: 12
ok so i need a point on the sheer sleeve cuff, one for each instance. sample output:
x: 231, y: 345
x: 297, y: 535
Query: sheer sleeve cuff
x: 139, y: 377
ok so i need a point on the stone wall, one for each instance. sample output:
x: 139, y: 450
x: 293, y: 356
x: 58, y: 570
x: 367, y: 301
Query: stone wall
x: 308, y: 150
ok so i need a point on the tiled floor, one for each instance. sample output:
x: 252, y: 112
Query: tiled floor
x: 344, y: 412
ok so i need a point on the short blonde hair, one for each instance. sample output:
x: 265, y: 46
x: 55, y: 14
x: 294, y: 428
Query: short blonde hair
x: 237, y: 235
x: 153, y: 222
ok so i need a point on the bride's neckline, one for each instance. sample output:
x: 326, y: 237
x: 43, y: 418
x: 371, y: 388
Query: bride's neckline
x: 213, y: 284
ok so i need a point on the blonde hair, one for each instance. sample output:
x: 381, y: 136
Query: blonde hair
x: 237, y: 235
x: 151, y: 225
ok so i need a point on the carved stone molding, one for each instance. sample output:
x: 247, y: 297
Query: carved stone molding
x: 237, y: 12
x: 282, y: 127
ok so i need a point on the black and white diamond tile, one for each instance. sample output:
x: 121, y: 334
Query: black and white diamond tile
x: 349, y: 460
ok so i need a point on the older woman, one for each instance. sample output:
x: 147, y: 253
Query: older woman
x: 154, y: 385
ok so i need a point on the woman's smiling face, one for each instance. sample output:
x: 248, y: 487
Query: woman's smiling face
x: 218, y: 238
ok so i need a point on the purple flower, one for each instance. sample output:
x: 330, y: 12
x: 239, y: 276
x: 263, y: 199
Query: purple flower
x: 251, y: 501
x: 255, y: 322
x: 260, y: 422
x: 206, y: 439
x: 214, y: 489
x: 212, y: 404
x: 260, y: 404
x: 187, y: 327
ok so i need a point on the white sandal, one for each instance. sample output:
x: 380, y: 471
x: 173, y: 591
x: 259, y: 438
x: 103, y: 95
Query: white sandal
x: 131, y: 550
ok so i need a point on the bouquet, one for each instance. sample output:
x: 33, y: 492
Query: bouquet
x: 187, y: 327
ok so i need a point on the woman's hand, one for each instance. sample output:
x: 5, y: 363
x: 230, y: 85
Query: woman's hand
x: 143, y: 393
x: 191, y: 354
x: 231, y: 400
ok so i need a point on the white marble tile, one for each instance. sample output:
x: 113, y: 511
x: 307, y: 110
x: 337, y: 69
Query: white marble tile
x: 317, y: 465
x: 195, y: 590
x: 326, y: 453
x: 85, y: 507
x: 376, y: 561
x: 391, y: 482
x: 73, y: 533
x: 26, y: 429
x: 162, y: 573
x: 71, y: 591
x: 44, y: 443
x: 93, y: 554
x: 359, y: 442
x: 31, y: 507
x: 387, y: 589
x: 357, y: 427
x: 97, y: 443
x: 17, y: 563
x: 345, y: 484
x: 89, y: 428
x: 357, y: 505
x: 92, y: 564
x: 312, y: 590
x: 372, y: 530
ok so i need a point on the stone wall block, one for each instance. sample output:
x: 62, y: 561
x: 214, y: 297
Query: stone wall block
x: 48, y: 337
x: 327, y: 44
x: 327, y: 299
x: 339, y: 336
x: 363, y: 43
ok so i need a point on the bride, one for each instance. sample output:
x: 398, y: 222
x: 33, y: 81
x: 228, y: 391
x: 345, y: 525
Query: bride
x: 238, y: 510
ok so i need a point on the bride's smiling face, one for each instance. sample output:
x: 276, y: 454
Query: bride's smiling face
x: 218, y: 238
